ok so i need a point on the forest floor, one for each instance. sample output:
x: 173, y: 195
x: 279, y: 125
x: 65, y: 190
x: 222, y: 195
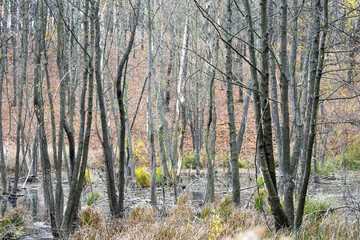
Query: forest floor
x: 336, y: 194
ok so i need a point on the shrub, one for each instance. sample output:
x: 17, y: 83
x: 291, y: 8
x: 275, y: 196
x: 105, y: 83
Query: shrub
x: 189, y: 160
x: 143, y: 176
x: 351, y: 160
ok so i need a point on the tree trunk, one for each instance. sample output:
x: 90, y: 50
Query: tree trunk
x: 150, y: 113
x: 24, y: 51
x: 280, y: 219
x: 317, y: 64
x: 39, y: 112
x: 120, y: 99
x: 230, y: 108
x: 3, y: 23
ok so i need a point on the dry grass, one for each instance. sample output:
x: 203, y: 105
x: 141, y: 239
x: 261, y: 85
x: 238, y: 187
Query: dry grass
x: 12, y: 223
x: 182, y: 222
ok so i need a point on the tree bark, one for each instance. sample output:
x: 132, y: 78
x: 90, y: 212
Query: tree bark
x: 317, y: 64
x: 120, y: 99
x: 150, y: 111
x: 230, y: 107
x: 2, y: 76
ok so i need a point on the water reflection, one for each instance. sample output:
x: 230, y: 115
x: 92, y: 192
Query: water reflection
x: 28, y: 200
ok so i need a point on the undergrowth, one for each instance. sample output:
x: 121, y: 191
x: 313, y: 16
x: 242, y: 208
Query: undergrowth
x: 143, y: 176
x: 220, y: 220
x: 11, y: 225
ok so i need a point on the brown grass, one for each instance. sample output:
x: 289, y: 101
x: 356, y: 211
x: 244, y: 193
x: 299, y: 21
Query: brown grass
x: 182, y: 222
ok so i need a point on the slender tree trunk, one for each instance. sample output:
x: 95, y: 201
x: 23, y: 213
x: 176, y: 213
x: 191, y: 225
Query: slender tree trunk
x: 278, y: 213
x: 120, y: 99
x: 211, y: 124
x: 24, y: 50
x: 105, y: 135
x: 64, y: 80
x: 179, y: 89
x: 39, y: 112
x: 285, y: 125
x: 14, y: 41
x: 163, y: 135
x: 85, y: 129
x: 230, y: 108
x: 274, y: 91
x: 317, y: 64
x: 149, y: 110
x: 3, y: 23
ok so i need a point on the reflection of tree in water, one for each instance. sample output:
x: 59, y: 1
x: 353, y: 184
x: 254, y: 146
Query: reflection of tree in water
x: 35, y: 204
x: 29, y: 202
x: 3, y: 208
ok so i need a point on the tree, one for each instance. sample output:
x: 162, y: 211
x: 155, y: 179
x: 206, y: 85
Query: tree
x: 120, y: 99
x: 230, y: 107
x: 3, y: 28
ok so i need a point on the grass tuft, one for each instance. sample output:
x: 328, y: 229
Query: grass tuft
x: 143, y: 176
x: 91, y: 217
x: 92, y: 198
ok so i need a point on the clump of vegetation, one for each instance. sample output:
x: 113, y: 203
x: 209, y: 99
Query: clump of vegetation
x: 87, y: 177
x: 226, y: 208
x: 189, y: 160
x: 260, y: 194
x: 140, y: 152
x: 351, y: 158
x: 223, y: 159
x: 182, y: 223
x: 143, y: 176
x: 160, y: 176
x: 259, y: 199
x: 11, y: 224
x: 244, y: 163
x: 91, y: 217
x: 215, y: 226
x: 142, y: 213
x: 92, y: 198
x: 91, y: 225
x: 328, y: 168
x: 183, y: 211
x: 333, y: 226
x: 241, y: 220
x: 205, y: 212
x: 316, y: 207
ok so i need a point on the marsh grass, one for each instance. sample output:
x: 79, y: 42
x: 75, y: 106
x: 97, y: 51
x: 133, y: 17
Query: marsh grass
x: 220, y: 220
x: 12, y: 224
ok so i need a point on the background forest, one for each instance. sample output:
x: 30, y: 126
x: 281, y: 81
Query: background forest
x: 189, y: 119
